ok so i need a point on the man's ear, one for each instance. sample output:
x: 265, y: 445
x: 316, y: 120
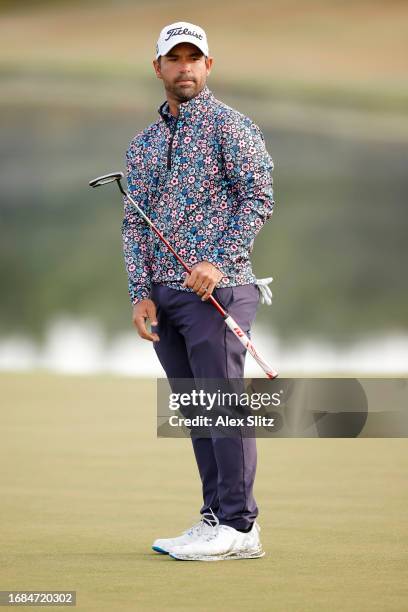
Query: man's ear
x: 157, y: 69
x: 209, y: 63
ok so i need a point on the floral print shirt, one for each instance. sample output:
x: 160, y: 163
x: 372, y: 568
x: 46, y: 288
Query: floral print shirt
x: 204, y: 179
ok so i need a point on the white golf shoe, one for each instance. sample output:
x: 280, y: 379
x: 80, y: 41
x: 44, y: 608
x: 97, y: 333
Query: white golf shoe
x: 203, y: 528
x: 221, y: 543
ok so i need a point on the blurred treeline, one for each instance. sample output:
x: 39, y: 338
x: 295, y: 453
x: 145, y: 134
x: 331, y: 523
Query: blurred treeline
x: 77, y: 84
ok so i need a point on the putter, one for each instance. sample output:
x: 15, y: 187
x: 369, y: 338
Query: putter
x: 229, y: 321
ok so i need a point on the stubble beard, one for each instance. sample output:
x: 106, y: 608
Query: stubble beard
x: 181, y: 95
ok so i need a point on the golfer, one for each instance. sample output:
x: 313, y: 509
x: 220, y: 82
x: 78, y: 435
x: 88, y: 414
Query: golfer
x: 202, y: 174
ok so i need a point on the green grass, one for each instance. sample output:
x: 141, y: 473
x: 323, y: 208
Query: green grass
x: 86, y: 486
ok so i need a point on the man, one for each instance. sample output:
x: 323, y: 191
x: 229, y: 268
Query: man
x: 203, y: 175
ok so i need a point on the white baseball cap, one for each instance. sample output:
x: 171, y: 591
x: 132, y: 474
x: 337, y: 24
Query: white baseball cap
x: 179, y: 32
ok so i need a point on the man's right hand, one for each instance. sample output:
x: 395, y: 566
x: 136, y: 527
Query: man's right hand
x: 146, y: 309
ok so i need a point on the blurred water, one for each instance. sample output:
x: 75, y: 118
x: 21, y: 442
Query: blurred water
x: 80, y: 347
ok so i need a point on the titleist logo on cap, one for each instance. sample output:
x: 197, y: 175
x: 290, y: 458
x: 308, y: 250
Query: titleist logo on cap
x: 181, y: 32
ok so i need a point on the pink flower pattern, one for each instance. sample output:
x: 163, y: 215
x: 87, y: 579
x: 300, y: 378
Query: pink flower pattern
x: 204, y: 178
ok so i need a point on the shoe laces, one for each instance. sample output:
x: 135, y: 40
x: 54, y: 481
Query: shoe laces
x: 218, y: 529
x: 208, y: 519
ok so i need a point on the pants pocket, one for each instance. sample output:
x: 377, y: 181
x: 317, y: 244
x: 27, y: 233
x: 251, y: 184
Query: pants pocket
x: 244, y: 305
x: 224, y: 296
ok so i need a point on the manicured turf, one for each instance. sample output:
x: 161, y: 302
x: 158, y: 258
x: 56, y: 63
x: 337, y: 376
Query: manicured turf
x: 86, y: 487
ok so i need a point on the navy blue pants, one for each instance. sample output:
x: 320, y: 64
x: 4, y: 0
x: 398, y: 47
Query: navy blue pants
x: 196, y: 343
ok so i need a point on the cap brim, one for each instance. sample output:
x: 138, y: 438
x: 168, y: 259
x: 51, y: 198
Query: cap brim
x: 181, y: 39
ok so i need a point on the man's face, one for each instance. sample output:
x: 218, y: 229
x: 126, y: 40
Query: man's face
x: 184, y: 71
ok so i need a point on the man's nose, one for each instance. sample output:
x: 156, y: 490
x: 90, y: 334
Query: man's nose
x: 185, y: 65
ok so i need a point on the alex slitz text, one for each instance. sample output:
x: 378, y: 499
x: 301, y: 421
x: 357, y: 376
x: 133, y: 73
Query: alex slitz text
x: 222, y: 421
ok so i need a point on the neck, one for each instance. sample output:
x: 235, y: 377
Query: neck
x: 173, y: 106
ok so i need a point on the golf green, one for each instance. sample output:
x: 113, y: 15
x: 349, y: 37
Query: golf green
x: 86, y: 486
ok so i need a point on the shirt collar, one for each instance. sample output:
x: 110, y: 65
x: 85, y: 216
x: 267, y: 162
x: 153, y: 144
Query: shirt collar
x: 164, y: 111
x: 188, y: 108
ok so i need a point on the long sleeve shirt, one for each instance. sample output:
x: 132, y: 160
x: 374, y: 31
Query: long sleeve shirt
x: 204, y: 179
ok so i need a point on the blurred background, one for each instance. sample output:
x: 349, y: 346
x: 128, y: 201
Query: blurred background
x: 326, y: 81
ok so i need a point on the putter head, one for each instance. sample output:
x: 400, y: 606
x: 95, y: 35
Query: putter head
x: 106, y: 178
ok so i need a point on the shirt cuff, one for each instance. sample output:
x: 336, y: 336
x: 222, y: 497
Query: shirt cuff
x: 138, y: 294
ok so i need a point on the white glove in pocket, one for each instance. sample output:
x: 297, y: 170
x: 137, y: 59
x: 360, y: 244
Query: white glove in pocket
x: 265, y: 292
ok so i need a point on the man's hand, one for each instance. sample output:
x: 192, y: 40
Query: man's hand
x: 203, y: 279
x: 146, y: 309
